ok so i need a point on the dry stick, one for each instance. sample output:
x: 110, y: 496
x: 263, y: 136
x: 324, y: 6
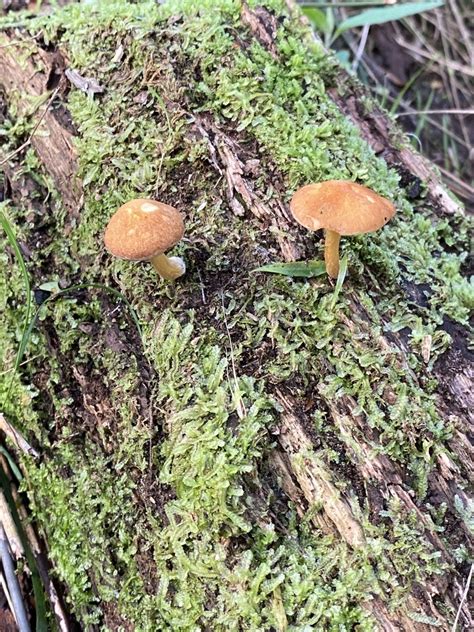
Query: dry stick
x: 461, y: 183
x: 13, y: 434
x: 33, y: 132
x: 462, y: 29
x: 12, y: 368
x: 431, y: 121
x: 434, y: 56
x: 463, y: 599
x: 452, y: 82
x: 4, y: 587
x: 468, y: 112
x: 20, y: 42
x: 9, y: 526
x: 12, y: 582
x: 361, y: 47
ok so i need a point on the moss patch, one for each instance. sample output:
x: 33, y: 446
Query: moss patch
x: 154, y: 447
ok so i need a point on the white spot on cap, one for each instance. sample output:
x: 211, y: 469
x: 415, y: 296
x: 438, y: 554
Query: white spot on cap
x: 370, y: 198
x: 132, y: 231
x: 148, y: 207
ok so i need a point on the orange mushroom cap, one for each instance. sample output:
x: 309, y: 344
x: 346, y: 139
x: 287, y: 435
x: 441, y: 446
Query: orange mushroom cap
x: 342, y: 206
x: 141, y: 229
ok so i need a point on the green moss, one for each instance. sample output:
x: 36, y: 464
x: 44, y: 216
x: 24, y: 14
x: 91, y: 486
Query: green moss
x: 82, y: 484
x: 192, y: 542
x: 283, y: 103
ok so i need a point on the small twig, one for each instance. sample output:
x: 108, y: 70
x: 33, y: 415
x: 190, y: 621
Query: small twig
x: 22, y: 41
x: 241, y: 410
x: 458, y: 181
x: 463, y: 30
x: 85, y: 84
x: 12, y: 582
x: 361, y: 47
x: 25, y: 362
x: 33, y: 132
x: 9, y: 525
x: 434, y: 56
x: 445, y: 40
x: 13, y: 434
x: 4, y: 587
x: 463, y: 598
x: 468, y: 112
x: 202, y: 288
x: 150, y: 444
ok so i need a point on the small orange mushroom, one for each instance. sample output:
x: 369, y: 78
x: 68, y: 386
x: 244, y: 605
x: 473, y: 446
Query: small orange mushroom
x: 142, y: 230
x: 340, y: 208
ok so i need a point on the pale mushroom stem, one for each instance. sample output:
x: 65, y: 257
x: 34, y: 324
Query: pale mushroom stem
x: 169, y: 268
x: 331, y: 253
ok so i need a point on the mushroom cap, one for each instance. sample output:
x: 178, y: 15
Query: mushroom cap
x: 141, y: 229
x: 345, y: 207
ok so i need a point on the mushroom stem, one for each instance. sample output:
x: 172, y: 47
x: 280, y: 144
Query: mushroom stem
x: 169, y: 268
x: 331, y: 253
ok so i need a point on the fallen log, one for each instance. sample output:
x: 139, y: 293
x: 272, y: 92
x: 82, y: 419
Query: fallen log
x: 262, y: 452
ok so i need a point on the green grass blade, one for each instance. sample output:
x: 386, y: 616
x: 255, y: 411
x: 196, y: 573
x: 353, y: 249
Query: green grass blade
x: 386, y: 14
x: 307, y: 269
x: 40, y: 602
x: 406, y: 87
x: 340, y: 280
x: 11, y: 238
x: 11, y: 462
x: 68, y: 290
x: 317, y: 17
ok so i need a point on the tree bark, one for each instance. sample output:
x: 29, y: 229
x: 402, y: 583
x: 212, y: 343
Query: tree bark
x: 296, y: 457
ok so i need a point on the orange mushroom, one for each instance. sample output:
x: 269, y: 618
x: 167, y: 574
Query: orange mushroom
x: 142, y: 230
x: 340, y: 208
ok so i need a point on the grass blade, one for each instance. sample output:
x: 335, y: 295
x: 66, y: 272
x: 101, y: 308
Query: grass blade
x: 386, y: 14
x: 11, y: 238
x: 340, y: 280
x: 74, y: 288
x: 317, y: 17
x: 40, y: 602
x: 306, y: 269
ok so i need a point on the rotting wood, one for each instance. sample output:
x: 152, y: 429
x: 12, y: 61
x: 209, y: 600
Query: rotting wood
x: 315, y: 479
x: 305, y: 482
x: 30, y: 75
x: 241, y: 194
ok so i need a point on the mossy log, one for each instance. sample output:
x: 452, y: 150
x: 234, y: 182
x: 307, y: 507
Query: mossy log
x: 238, y: 450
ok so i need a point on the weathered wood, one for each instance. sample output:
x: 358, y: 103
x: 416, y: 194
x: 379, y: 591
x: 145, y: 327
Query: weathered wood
x: 304, y: 478
x: 28, y: 76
